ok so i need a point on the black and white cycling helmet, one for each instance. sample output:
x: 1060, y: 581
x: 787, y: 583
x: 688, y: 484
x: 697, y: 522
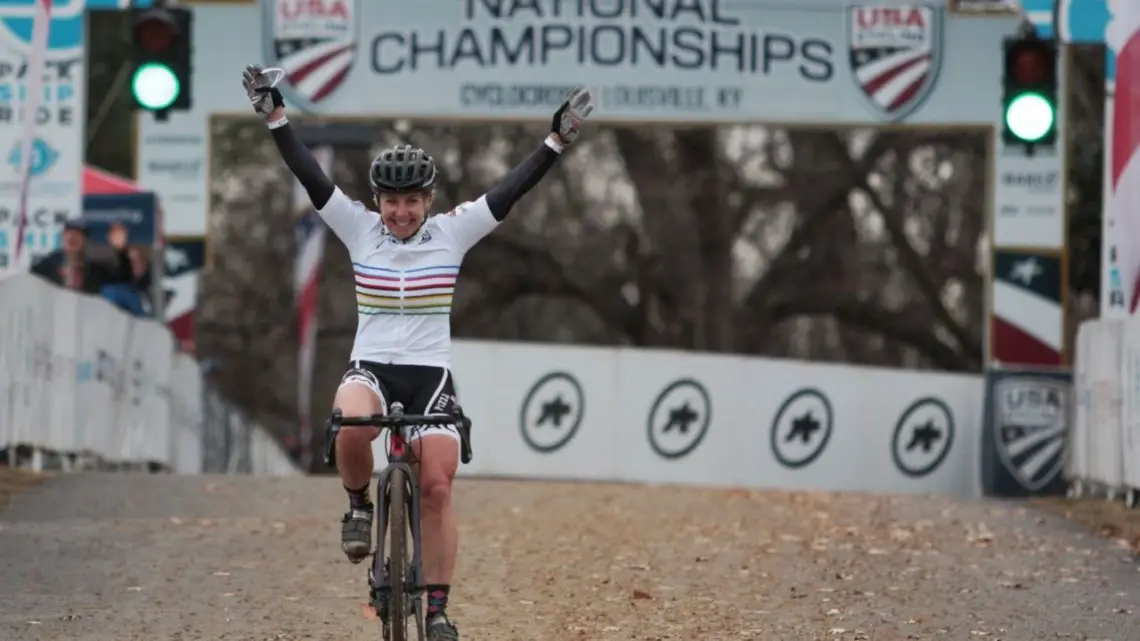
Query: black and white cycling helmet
x: 402, y: 169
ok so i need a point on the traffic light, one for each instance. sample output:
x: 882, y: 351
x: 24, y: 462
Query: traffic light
x: 160, y: 59
x: 1029, y: 97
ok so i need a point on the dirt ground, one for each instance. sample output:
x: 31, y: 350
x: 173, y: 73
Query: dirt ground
x: 13, y: 481
x: 123, y: 557
x: 1109, y: 520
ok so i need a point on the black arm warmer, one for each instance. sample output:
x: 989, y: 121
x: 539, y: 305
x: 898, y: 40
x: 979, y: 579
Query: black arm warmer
x: 519, y: 181
x: 304, y: 166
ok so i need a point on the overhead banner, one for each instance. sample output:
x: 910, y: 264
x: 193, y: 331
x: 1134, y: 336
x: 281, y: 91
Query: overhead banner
x: 817, y: 62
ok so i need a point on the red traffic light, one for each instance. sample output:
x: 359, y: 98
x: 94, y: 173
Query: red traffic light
x: 156, y: 31
x: 1029, y: 62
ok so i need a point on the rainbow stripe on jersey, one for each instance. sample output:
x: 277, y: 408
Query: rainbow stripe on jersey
x: 423, y: 291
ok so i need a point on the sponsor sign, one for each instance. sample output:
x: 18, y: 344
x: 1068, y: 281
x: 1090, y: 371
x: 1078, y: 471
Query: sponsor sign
x: 1031, y: 416
x: 1029, y: 199
x: 315, y: 43
x: 57, y: 152
x: 701, y: 61
x: 135, y: 211
x: 1026, y: 433
x: 896, y: 53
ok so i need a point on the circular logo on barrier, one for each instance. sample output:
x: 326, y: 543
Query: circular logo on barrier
x: 923, y: 437
x: 679, y: 418
x: 801, y: 428
x: 551, y: 412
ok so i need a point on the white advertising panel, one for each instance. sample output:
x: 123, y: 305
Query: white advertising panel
x: 663, y: 416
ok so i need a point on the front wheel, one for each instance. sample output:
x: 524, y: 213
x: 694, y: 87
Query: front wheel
x: 397, y: 556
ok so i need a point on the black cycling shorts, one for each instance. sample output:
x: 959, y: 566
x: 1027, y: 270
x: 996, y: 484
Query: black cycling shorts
x: 421, y: 389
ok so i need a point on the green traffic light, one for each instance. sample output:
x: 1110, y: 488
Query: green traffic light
x: 155, y: 86
x: 1030, y: 116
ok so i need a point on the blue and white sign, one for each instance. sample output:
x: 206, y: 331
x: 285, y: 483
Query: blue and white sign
x: 134, y: 211
x: 57, y: 151
x: 55, y: 192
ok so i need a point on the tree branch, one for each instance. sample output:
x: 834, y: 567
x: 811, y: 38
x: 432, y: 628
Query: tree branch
x: 534, y: 270
x: 895, y: 326
x: 915, y: 266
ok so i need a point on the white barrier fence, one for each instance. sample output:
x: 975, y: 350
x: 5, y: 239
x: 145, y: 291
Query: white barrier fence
x: 77, y: 376
x: 641, y: 415
x: 1104, y: 444
x: 80, y: 377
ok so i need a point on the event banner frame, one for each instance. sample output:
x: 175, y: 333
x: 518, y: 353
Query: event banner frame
x: 809, y: 63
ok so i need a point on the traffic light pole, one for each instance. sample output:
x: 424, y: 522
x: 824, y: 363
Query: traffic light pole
x: 1027, y: 284
x: 161, y: 57
x: 1029, y: 91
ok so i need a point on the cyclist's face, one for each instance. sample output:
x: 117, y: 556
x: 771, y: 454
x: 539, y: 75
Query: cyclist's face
x: 403, y: 213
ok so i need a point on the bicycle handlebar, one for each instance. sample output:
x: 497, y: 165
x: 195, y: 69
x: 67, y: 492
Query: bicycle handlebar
x: 397, y: 418
x: 400, y: 420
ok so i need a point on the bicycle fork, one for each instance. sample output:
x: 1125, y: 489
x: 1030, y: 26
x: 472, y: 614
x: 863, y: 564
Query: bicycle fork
x: 379, y: 580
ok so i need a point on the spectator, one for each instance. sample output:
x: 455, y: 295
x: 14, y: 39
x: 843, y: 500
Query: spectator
x: 71, y: 267
x: 126, y: 297
x: 133, y: 296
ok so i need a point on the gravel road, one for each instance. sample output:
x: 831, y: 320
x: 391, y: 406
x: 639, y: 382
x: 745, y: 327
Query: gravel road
x: 149, y: 558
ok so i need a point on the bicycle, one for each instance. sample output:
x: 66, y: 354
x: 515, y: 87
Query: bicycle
x: 397, y: 508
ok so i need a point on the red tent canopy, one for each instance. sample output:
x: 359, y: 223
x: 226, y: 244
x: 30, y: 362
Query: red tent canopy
x: 97, y: 181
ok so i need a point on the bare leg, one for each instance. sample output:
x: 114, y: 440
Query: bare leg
x: 440, y: 459
x: 354, y: 464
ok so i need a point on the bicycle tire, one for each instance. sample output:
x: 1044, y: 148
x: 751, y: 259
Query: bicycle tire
x: 397, y: 556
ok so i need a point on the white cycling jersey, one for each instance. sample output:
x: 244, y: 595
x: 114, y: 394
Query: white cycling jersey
x: 404, y: 288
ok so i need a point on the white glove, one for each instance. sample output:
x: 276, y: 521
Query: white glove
x: 570, y: 116
x: 261, y: 88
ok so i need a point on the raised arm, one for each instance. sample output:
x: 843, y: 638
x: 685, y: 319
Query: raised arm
x: 300, y: 160
x: 470, y: 222
x: 522, y: 178
x: 563, y: 132
x: 347, y: 219
x: 266, y: 99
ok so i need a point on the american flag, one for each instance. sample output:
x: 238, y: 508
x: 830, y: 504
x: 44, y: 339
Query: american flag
x: 306, y: 278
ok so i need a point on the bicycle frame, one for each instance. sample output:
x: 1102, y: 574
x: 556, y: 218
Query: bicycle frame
x: 399, y: 458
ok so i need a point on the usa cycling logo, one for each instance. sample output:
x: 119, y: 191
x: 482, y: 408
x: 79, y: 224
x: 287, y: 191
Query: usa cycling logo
x: 896, y: 54
x: 44, y: 157
x: 1030, y: 422
x: 314, y: 41
x: 65, y: 38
